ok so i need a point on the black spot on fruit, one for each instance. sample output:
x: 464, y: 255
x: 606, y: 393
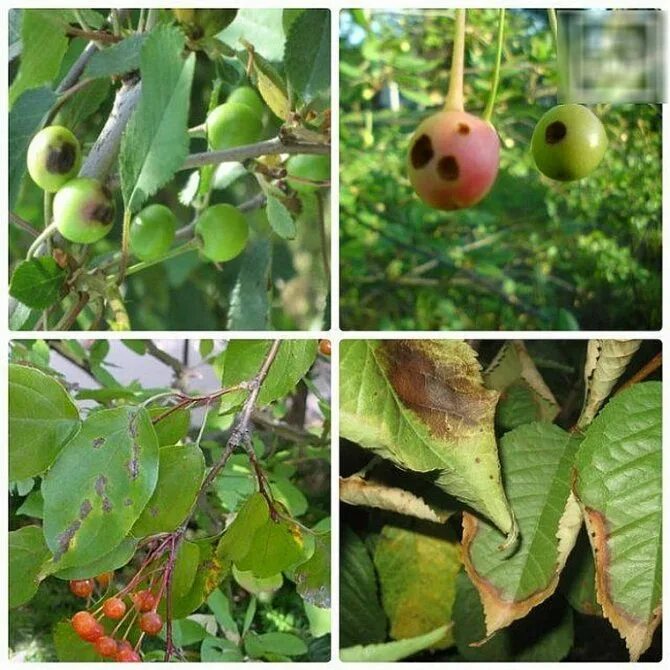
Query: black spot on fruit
x: 447, y: 168
x: 555, y: 132
x: 463, y: 129
x: 61, y: 159
x: 422, y: 152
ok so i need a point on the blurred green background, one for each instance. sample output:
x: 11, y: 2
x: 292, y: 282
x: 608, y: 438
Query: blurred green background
x: 534, y: 254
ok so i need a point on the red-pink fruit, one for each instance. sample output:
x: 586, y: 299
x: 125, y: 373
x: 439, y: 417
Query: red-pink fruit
x: 453, y: 159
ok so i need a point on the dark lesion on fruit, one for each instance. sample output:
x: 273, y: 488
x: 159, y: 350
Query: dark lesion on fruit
x: 447, y: 168
x: 422, y: 152
x: 99, y: 213
x: 463, y: 129
x: 555, y: 132
x: 62, y: 159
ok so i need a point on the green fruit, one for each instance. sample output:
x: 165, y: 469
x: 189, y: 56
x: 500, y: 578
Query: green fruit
x: 233, y: 125
x: 224, y: 232
x: 568, y: 142
x: 83, y: 211
x: 312, y: 168
x: 152, y: 232
x: 54, y: 157
x: 245, y: 95
x: 201, y: 23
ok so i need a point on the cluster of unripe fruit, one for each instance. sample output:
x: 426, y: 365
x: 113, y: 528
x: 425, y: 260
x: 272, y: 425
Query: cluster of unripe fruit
x: 454, y: 156
x: 89, y: 627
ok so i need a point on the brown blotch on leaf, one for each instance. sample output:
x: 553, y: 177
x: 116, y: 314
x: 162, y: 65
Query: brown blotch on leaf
x: 440, y: 393
x: 65, y: 538
x: 61, y: 160
x: 447, y: 168
x: 463, y: 129
x: 106, y: 504
x: 100, y: 485
x: 128, y: 502
x: 422, y: 152
x: 478, y: 460
x: 555, y: 132
x: 85, y: 509
x: 98, y: 442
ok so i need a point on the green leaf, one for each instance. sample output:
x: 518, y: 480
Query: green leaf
x: 44, y: 45
x: 421, y: 404
x: 70, y: 647
x: 236, y: 541
x: 268, y: 645
x: 312, y: 578
x: 42, y: 419
x: 185, y: 568
x: 606, y: 361
x: 115, y: 559
x: 262, y: 27
x: 578, y: 581
x: 217, y: 650
x: 25, y: 118
x: 280, y: 219
x: 243, y: 360
x: 417, y: 568
x: 27, y: 553
x: 99, y: 485
x: 171, y: 429
x: 618, y: 484
x: 250, y: 299
x: 186, y: 632
x: 537, y: 462
x: 22, y: 317
x: 84, y: 104
x: 394, y: 651
x: 362, y: 619
x: 155, y: 143
x: 117, y: 59
x: 256, y: 585
x: 33, y: 505
x: 235, y: 483
x: 180, y: 474
x: 220, y: 605
x: 37, y: 282
x: 319, y: 620
x: 545, y: 635
x: 289, y: 495
x: 307, y: 54
x: 275, y: 546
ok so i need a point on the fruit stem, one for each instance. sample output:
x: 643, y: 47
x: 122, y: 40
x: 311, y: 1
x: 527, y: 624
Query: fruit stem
x: 45, y: 235
x: 138, y: 267
x: 488, y: 112
x: 125, y: 247
x: 454, y: 101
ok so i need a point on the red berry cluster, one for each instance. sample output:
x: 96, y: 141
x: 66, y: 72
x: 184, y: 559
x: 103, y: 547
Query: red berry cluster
x: 88, y: 626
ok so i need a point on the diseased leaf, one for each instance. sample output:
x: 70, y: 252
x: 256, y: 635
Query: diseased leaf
x: 618, y: 484
x: 155, y: 142
x: 27, y: 553
x: 524, y: 395
x: 37, y: 282
x: 606, y: 361
x: 394, y: 651
x: 99, y: 485
x: 312, y: 578
x: 545, y: 635
x: 356, y: 490
x: 578, y: 581
x: 537, y: 463
x: 180, y: 473
x: 115, y: 559
x: 422, y: 405
x: 362, y: 619
x: 417, y: 568
x: 42, y: 418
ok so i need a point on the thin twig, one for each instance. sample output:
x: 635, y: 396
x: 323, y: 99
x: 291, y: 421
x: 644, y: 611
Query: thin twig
x: 649, y: 368
x: 164, y: 357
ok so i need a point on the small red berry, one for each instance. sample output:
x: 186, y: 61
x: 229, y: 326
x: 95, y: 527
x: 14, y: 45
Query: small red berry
x: 144, y: 601
x: 114, y: 608
x: 86, y: 626
x: 82, y: 587
x: 128, y: 656
x: 325, y: 347
x: 151, y: 623
x: 105, y: 579
x: 106, y: 646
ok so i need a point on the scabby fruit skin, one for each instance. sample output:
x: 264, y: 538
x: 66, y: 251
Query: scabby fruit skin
x: 453, y: 159
x: 233, y: 124
x: 568, y: 143
x: 152, y: 232
x: 54, y: 157
x: 245, y: 95
x: 224, y: 232
x: 83, y: 210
